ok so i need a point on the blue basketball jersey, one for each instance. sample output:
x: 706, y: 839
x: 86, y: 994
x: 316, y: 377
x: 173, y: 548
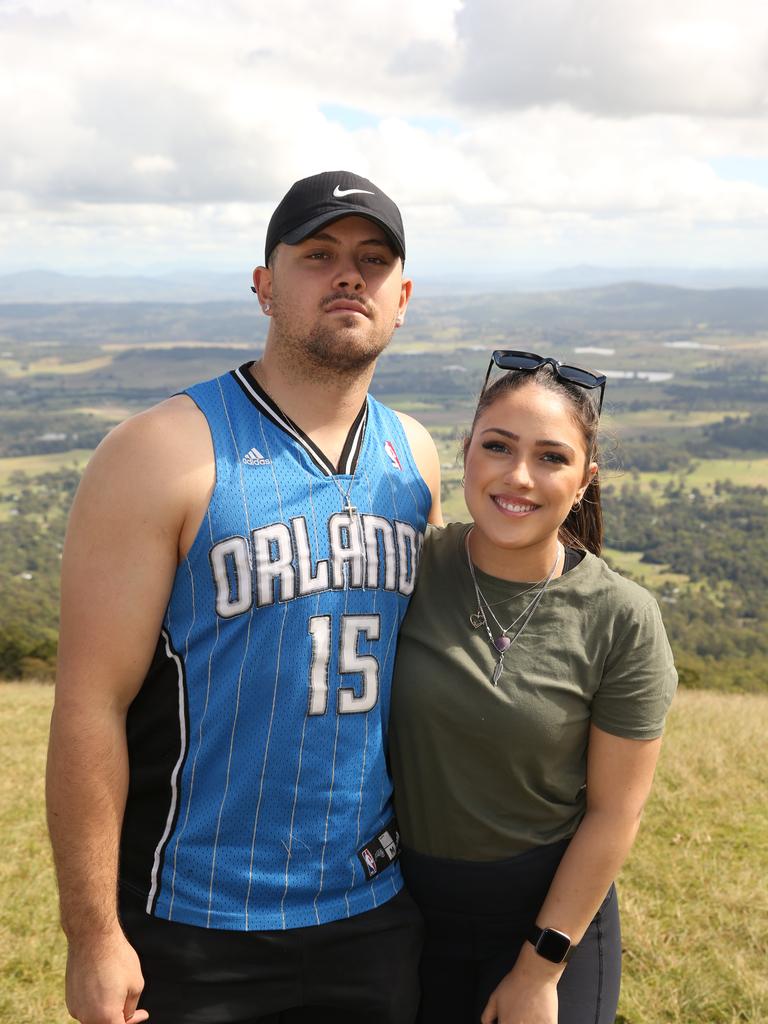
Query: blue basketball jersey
x: 259, y: 794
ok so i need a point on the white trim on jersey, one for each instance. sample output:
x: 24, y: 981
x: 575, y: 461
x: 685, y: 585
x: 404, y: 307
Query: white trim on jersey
x: 199, y: 744
x: 327, y: 823
x: 247, y: 645
x: 264, y: 764
x: 392, y: 639
x: 174, y: 775
x: 354, y: 448
x: 273, y: 412
x: 278, y: 656
x: 289, y: 848
x: 186, y: 662
x: 353, y: 858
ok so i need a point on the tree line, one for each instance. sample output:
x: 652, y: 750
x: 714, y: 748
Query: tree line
x: 718, y: 540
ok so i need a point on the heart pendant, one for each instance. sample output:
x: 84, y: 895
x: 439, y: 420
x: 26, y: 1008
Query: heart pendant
x: 477, y: 619
x: 501, y: 643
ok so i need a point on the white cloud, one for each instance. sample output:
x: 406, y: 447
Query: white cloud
x: 549, y: 131
x: 703, y: 57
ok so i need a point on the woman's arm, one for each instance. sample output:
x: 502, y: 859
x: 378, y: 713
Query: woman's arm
x: 619, y: 777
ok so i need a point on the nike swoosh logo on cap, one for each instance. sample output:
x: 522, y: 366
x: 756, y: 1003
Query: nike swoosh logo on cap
x: 339, y: 193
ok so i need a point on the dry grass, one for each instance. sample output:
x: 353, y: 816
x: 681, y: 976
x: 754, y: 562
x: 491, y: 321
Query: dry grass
x: 54, y: 364
x: 694, y: 894
x: 31, y: 945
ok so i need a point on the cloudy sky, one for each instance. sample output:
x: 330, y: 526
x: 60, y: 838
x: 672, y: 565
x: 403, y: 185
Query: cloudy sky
x: 157, y: 134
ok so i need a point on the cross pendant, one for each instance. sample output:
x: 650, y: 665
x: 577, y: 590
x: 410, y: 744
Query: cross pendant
x: 350, y: 509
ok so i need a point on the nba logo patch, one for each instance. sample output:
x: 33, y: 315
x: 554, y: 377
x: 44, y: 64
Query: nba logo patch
x: 370, y: 862
x: 389, y: 448
x: 382, y: 851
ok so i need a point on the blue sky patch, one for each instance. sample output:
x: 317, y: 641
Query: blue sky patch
x: 742, y: 168
x: 349, y: 117
x: 354, y: 119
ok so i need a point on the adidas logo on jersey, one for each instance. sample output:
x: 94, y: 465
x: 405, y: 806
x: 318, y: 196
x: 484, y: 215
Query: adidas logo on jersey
x: 255, y: 458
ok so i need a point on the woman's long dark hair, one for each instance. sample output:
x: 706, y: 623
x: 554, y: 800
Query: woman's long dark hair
x: 583, y: 526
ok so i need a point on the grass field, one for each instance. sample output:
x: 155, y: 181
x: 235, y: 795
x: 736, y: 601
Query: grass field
x: 34, y: 465
x: 742, y: 472
x: 106, y: 412
x: 658, y: 419
x: 53, y: 364
x: 694, y: 893
x: 650, y: 575
x: 157, y: 345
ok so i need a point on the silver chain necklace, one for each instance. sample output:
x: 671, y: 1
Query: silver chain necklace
x: 355, y: 523
x: 477, y: 618
x: 349, y: 508
x: 502, y: 642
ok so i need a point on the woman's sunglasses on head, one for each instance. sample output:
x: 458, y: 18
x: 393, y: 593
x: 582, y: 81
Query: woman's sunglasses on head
x: 507, y: 359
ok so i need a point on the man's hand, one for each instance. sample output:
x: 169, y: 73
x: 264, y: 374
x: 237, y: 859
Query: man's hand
x: 104, y: 981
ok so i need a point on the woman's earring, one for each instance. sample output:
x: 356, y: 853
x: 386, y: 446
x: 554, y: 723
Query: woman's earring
x: 267, y: 307
x: 576, y: 506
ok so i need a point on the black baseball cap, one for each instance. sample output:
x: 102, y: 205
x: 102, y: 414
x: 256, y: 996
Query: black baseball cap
x: 313, y: 202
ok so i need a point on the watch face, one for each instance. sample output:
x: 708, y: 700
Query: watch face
x: 553, y: 945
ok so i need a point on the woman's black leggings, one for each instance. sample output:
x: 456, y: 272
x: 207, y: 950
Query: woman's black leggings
x: 477, y: 916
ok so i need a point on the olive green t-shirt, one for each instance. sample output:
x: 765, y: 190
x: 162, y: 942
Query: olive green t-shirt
x: 483, y: 772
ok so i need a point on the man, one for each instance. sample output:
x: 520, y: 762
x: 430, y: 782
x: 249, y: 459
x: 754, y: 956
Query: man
x: 237, y: 564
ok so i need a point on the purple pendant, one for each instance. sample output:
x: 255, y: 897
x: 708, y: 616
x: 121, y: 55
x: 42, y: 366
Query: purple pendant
x: 501, y: 643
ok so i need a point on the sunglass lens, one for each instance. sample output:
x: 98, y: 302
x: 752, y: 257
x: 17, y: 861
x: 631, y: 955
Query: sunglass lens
x: 579, y: 376
x: 516, y: 361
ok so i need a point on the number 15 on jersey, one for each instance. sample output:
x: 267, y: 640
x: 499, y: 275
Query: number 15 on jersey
x: 354, y: 630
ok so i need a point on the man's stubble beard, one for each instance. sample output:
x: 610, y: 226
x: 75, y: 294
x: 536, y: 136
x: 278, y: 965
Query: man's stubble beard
x: 328, y: 351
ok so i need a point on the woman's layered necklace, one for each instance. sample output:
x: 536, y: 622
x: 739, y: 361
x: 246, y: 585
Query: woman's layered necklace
x: 503, y: 642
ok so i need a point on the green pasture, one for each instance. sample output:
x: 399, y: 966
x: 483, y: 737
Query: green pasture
x: 115, y: 413
x: 165, y: 345
x: 693, y: 893
x: 35, y: 465
x: 52, y: 364
x: 704, y: 475
x: 653, y: 576
x: 630, y: 421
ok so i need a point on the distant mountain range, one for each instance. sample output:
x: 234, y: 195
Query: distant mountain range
x: 47, y: 286
x: 50, y: 286
x: 472, y: 317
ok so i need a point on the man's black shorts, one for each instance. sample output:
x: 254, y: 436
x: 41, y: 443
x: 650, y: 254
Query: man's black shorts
x: 362, y: 969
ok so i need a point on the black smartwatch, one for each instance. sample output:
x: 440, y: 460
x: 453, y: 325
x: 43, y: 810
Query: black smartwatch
x: 551, y: 944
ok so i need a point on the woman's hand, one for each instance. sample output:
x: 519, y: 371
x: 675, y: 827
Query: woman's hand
x: 528, y: 994
x: 516, y: 1000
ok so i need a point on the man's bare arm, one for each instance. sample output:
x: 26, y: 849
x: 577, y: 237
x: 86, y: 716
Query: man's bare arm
x: 134, y: 510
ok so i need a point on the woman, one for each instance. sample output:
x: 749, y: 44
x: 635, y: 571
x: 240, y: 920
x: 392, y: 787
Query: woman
x: 530, y: 693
